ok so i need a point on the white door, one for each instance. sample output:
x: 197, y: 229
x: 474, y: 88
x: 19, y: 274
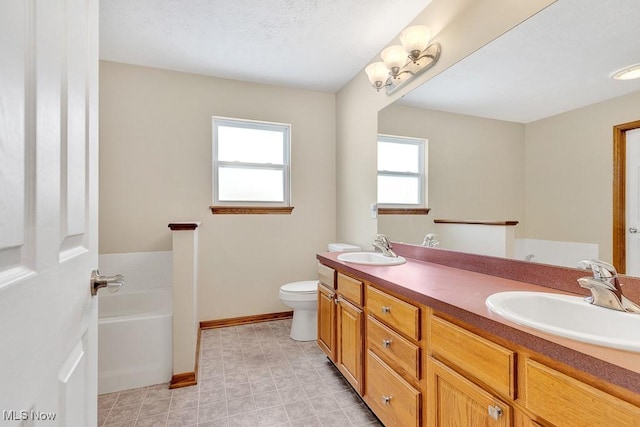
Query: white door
x: 48, y: 211
x: 632, y: 185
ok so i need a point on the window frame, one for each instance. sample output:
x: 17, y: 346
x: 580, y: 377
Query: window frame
x: 422, y: 144
x: 285, y: 128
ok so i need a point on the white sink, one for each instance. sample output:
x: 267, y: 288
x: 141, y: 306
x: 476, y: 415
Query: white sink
x: 370, y: 258
x: 570, y: 317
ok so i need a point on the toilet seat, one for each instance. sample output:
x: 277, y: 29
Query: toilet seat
x: 304, y: 286
x: 299, y: 291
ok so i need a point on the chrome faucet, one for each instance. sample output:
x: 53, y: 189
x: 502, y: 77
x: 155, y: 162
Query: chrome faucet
x: 382, y: 242
x: 431, y: 240
x: 605, y: 287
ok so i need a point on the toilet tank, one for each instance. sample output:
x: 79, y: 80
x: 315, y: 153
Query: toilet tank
x: 343, y: 247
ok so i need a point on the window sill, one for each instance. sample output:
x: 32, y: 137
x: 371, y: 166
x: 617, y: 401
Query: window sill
x: 403, y: 211
x: 250, y: 210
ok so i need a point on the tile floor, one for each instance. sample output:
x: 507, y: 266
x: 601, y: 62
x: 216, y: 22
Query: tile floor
x: 249, y: 375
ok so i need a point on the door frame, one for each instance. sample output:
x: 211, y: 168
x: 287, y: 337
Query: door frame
x: 619, y: 193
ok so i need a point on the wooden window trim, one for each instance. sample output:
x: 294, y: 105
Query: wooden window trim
x: 404, y: 211
x: 251, y: 210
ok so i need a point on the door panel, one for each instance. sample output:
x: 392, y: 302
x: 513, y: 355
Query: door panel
x: 633, y: 202
x: 48, y: 210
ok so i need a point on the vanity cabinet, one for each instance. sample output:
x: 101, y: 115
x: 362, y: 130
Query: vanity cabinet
x: 327, y: 321
x: 393, y: 363
x: 414, y: 366
x: 478, y: 382
x: 327, y: 311
x: 350, y: 328
x: 341, y: 323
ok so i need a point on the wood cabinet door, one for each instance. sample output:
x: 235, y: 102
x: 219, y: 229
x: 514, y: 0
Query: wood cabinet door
x: 327, y: 321
x: 350, y: 343
x: 454, y: 401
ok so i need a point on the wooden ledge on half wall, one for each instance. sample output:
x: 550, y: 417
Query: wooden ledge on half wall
x: 474, y: 222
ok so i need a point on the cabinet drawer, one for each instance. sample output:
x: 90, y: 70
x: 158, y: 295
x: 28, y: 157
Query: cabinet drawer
x: 390, y: 397
x: 327, y: 276
x: 400, y: 315
x: 490, y: 363
x: 565, y: 401
x: 350, y: 288
x: 395, y: 350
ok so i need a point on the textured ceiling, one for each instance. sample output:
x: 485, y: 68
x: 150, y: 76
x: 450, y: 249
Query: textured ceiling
x: 556, y: 61
x: 312, y: 44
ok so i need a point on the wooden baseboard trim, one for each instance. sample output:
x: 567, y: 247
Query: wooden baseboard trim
x: 184, y: 379
x: 234, y: 321
x: 187, y: 379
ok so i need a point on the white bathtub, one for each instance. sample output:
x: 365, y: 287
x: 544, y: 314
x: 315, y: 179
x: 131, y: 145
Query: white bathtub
x: 134, y: 339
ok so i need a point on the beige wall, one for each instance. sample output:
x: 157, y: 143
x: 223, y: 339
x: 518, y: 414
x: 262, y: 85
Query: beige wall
x: 569, y: 173
x: 155, y: 168
x: 475, y: 169
x: 462, y: 27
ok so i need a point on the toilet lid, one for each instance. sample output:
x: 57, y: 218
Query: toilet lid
x: 306, y: 286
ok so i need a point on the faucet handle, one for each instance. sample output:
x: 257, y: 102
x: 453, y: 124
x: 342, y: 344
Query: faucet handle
x: 382, y: 238
x: 601, y: 270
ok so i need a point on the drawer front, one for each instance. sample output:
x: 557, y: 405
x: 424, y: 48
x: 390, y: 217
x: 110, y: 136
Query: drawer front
x: 392, y: 348
x: 327, y: 276
x: 565, y: 401
x: 490, y: 363
x: 350, y: 288
x: 400, y: 315
x: 390, y: 397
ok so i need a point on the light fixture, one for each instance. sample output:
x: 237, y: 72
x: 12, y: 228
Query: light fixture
x: 627, y: 73
x: 401, y: 63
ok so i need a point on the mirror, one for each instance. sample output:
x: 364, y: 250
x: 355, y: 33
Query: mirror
x: 522, y: 130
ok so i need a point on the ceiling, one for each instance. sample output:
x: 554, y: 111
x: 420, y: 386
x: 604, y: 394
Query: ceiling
x: 556, y: 61
x: 310, y: 44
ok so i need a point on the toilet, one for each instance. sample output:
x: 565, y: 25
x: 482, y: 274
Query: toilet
x: 302, y: 297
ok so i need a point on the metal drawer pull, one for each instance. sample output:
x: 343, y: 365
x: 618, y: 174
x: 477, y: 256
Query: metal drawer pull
x: 386, y: 400
x: 386, y: 343
x: 386, y: 309
x: 495, y: 412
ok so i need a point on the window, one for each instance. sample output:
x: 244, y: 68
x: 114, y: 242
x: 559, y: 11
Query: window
x: 401, y: 172
x: 250, y: 163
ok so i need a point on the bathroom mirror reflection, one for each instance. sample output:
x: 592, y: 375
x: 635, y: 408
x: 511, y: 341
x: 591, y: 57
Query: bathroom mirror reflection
x: 522, y: 131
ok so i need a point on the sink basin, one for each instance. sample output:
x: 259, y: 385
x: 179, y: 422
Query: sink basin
x: 370, y: 258
x: 570, y: 317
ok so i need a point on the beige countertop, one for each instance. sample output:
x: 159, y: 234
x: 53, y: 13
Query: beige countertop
x: 462, y: 294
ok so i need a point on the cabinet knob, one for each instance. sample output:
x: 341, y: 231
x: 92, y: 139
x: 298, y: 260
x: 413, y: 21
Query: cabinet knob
x: 336, y: 301
x: 386, y: 309
x: 386, y: 343
x: 495, y: 412
x: 386, y: 400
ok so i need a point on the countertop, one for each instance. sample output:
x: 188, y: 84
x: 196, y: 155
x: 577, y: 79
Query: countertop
x: 462, y: 294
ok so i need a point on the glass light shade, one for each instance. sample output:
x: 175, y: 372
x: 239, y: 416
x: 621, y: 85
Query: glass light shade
x: 394, y: 57
x: 415, y: 38
x: 377, y: 72
x: 628, y: 73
